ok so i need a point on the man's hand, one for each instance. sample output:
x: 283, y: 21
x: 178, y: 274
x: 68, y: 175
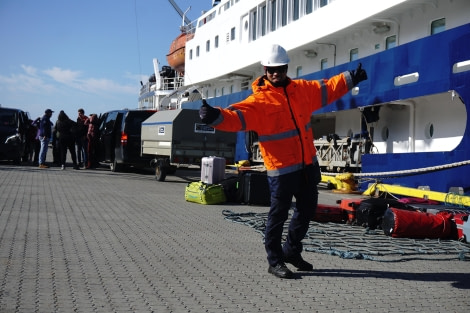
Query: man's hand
x: 358, y: 75
x: 207, y: 113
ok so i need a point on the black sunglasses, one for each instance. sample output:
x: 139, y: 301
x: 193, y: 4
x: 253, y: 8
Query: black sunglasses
x: 277, y: 69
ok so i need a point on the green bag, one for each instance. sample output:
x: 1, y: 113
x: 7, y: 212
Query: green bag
x: 202, y: 193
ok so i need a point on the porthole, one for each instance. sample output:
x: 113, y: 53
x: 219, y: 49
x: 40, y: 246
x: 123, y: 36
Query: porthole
x: 429, y: 130
x: 385, y: 133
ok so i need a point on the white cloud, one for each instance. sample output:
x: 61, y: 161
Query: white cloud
x: 26, y: 82
x: 66, y: 77
x: 29, y: 70
x: 36, y: 81
x: 106, y: 86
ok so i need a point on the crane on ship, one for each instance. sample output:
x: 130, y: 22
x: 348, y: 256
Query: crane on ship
x: 176, y: 54
x: 186, y: 20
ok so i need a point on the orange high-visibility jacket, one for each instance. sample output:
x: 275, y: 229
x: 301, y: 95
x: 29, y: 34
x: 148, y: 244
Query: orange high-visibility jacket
x: 281, y: 118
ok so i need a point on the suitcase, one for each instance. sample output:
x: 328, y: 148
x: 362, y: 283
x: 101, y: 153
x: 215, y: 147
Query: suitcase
x: 254, y: 188
x: 329, y: 213
x: 369, y: 212
x: 212, y: 169
x: 400, y: 223
x: 231, y: 185
x: 349, y: 206
x: 202, y: 193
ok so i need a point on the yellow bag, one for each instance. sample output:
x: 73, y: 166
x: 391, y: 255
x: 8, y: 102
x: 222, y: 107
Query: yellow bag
x: 202, y: 193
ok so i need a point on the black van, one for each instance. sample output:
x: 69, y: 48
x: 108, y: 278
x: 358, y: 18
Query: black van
x: 120, y: 133
x: 14, y: 124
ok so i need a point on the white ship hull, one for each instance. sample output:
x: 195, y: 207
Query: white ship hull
x: 418, y: 82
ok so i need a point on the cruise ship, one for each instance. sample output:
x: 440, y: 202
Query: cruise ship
x: 406, y: 125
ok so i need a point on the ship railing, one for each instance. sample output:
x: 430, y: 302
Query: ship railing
x: 172, y: 83
x: 146, y: 88
x: 190, y: 29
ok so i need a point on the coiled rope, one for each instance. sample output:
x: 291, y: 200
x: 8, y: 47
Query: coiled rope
x: 356, y: 242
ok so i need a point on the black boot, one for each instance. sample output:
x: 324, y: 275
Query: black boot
x: 280, y: 270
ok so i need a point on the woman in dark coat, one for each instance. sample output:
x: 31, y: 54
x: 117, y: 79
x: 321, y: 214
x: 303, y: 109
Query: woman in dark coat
x: 66, y: 139
x: 93, y: 123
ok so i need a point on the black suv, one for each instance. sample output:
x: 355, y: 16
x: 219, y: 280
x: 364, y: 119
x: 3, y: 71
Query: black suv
x: 120, y: 133
x: 14, y: 124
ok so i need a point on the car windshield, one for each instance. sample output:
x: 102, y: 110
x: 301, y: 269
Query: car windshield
x: 8, y: 118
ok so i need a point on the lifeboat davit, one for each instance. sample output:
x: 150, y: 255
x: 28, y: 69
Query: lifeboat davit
x: 176, y: 55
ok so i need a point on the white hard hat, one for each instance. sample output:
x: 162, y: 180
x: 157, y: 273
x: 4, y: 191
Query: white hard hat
x: 275, y: 56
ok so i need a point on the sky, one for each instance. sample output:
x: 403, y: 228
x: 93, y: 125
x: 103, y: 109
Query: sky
x: 90, y: 54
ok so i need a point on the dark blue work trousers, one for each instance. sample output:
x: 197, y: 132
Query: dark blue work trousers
x: 302, y: 185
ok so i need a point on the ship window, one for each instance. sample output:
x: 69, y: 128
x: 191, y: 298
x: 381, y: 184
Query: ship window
x: 390, y: 42
x: 323, y: 3
x: 429, y: 130
x: 216, y: 41
x: 296, y: 12
x: 438, y: 26
x: 254, y: 24
x: 191, y: 54
x: 385, y: 133
x: 263, y: 20
x: 353, y: 54
x: 197, y: 51
x: 284, y: 12
x: 208, y: 46
x: 324, y: 63
x: 232, y: 33
x: 273, y: 15
x: 308, y: 6
x: 299, y: 71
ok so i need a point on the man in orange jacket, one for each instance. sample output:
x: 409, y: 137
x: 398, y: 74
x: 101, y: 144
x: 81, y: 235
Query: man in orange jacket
x: 279, y: 111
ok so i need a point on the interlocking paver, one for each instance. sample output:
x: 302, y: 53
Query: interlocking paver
x: 97, y: 241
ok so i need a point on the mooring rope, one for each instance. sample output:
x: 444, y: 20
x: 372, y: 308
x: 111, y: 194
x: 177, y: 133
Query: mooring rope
x: 393, y: 174
x: 356, y: 242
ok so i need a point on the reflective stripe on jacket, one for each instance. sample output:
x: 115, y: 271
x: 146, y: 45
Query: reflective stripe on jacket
x: 281, y: 118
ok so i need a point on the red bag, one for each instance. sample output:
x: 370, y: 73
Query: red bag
x: 349, y: 207
x: 417, y: 225
x: 329, y: 213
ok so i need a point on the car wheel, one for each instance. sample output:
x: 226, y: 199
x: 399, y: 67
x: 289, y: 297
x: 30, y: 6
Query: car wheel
x: 115, y: 166
x: 160, y: 172
x: 17, y: 161
x: 172, y: 169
